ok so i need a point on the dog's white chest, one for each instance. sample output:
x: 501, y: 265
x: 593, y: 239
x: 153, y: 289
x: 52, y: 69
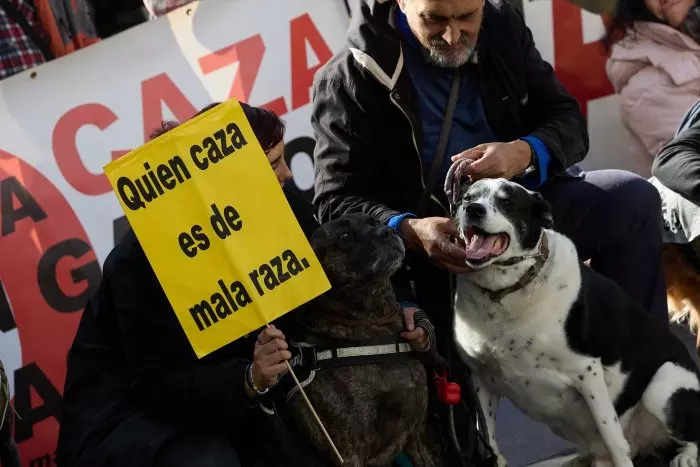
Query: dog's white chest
x: 523, y: 369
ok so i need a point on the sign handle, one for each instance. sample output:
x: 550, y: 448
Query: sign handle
x: 313, y: 411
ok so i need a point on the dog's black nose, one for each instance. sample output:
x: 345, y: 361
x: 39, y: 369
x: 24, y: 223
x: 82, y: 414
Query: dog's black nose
x: 475, y: 210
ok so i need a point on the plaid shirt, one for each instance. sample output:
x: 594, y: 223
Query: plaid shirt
x: 18, y: 51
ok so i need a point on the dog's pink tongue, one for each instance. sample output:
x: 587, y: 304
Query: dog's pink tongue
x: 480, y: 247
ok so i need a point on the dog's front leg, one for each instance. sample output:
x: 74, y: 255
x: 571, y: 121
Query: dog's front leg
x: 489, y: 397
x: 591, y: 384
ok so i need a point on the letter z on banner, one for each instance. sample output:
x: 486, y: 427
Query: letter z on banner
x: 62, y: 122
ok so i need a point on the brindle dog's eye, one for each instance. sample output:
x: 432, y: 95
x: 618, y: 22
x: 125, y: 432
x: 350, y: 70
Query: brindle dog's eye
x: 344, y: 236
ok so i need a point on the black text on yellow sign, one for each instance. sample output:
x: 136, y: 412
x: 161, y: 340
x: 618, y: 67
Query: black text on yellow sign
x: 216, y: 227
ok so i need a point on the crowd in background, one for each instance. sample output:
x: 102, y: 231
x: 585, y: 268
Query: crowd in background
x: 33, y: 32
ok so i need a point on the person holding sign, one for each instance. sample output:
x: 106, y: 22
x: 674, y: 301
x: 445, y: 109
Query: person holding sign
x: 136, y: 394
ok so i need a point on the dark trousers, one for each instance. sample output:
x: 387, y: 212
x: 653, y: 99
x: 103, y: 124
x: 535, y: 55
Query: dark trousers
x: 614, y: 219
x: 201, y: 450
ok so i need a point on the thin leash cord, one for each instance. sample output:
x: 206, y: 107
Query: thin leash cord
x: 313, y: 411
x: 481, y: 428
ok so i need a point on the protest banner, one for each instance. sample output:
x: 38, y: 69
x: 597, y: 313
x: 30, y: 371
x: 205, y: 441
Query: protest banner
x: 61, y: 122
x: 214, y: 223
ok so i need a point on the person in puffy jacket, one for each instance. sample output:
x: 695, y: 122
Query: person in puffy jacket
x: 654, y: 65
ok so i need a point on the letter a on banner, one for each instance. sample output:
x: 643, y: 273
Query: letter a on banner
x: 216, y: 227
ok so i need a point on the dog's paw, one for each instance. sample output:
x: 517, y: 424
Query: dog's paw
x: 687, y: 457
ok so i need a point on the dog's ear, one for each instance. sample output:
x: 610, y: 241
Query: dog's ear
x: 319, y: 242
x: 542, y: 210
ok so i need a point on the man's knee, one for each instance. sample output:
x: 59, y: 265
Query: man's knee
x: 202, y: 450
x: 632, y: 196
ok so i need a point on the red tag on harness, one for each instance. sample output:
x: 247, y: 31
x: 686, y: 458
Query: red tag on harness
x: 448, y: 393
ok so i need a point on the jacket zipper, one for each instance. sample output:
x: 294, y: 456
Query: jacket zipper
x: 415, y: 145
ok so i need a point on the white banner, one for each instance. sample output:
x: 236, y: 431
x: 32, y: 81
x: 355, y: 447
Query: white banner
x: 62, y: 122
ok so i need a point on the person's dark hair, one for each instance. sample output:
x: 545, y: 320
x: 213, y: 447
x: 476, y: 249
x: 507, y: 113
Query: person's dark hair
x: 267, y: 126
x: 627, y: 12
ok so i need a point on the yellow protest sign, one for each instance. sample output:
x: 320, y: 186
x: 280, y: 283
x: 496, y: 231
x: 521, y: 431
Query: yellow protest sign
x: 216, y: 227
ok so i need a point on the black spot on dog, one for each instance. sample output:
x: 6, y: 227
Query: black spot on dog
x: 538, y: 366
x: 592, y: 397
x: 589, y: 368
x: 562, y: 286
x: 527, y: 382
x: 595, y: 374
x: 580, y: 377
x: 512, y: 342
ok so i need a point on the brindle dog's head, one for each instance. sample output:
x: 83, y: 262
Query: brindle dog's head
x: 357, y: 249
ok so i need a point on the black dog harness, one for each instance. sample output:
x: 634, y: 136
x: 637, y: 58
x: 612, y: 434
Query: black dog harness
x: 318, y: 352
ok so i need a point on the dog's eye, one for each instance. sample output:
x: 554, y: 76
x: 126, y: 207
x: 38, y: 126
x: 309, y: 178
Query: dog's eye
x: 344, y: 236
x: 506, y: 203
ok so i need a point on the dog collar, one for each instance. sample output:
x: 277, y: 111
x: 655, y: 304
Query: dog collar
x: 525, y: 279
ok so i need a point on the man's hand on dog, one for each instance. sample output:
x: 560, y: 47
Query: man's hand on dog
x: 496, y: 160
x: 269, y: 357
x: 433, y: 235
x: 416, y: 336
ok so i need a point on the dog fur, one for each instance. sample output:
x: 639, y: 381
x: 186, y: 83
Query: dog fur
x: 683, y: 287
x: 569, y: 348
x: 372, y: 412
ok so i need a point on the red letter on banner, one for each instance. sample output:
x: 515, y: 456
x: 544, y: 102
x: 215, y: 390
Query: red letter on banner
x: 66, y: 152
x: 302, y: 29
x: 160, y: 90
x: 248, y: 53
x: 580, y: 67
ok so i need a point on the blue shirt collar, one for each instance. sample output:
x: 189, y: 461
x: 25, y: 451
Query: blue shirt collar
x: 405, y: 29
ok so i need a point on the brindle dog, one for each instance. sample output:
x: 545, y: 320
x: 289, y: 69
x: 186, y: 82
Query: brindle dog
x: 373, y: 412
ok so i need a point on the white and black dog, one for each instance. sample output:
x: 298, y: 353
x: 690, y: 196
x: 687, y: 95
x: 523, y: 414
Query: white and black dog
x: 562, y: 342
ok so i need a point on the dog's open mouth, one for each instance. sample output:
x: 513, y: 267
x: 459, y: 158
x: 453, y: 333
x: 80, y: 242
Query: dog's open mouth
x: 481, y: 246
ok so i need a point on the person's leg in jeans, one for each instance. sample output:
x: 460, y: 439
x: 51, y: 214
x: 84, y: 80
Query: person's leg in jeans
x: 614, y: 219
x: 201, y: 450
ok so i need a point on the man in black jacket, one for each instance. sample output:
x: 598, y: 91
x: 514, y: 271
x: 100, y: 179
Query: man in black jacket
x: 677, y: 177
x: 378, y: 107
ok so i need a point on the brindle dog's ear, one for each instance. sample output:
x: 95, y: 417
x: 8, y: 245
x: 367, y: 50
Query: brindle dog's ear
x: 319, y: 242
x: 542, y: 210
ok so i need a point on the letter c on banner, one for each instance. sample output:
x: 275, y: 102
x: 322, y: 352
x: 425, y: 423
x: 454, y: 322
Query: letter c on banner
x: 66, y: 150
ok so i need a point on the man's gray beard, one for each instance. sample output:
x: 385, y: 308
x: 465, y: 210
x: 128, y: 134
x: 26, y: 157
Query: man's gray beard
x: 446, y: 60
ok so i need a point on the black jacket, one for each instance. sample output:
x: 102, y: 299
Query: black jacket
x: 677, y: 166
x: 366, y: 122
x: 130, y: 355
